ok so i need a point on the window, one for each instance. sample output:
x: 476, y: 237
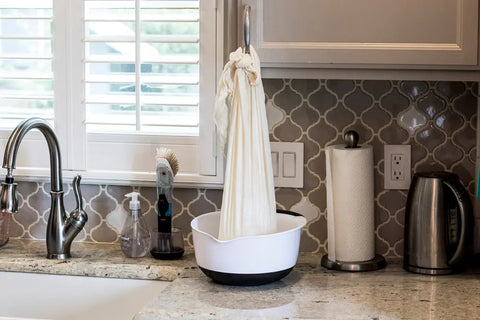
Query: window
x: 117, y: 79
x: 26, y: 66
x: 164, y: 95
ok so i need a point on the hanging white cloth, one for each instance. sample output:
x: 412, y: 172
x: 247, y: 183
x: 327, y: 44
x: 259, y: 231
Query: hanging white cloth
x: 248, y: 205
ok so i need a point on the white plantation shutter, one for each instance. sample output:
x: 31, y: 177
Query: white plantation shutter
x: 26, y: 72
x: 129, y: 76
x: 159, y: 38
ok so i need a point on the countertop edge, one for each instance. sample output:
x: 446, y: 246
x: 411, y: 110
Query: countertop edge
x: 91, y: 260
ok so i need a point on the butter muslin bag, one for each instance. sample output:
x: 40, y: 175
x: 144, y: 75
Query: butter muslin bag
x: 248, y: 204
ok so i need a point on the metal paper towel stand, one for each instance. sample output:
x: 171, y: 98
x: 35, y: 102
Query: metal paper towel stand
x: 371, y: 265
x: 378, y: 262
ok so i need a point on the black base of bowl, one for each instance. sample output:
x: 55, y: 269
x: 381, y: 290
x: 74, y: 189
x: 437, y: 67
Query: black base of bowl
x: 243, y: 279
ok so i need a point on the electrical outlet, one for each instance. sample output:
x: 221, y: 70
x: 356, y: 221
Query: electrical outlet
x: 398, y: 170
x: 397, y: 167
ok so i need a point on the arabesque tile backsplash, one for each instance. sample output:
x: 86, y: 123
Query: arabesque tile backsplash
x: 438, y: 119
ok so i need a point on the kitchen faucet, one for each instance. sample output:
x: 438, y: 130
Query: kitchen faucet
x: 61, y: 230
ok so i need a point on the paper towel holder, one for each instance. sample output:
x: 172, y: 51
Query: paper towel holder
x: 378, y: 262
x: 351, y: 139
x: 371, y: 265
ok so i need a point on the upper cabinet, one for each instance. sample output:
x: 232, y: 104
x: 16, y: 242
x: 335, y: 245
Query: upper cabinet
x: 432, y: 34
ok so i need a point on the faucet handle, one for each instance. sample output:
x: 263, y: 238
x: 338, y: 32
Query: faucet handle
x: 77, y: 192
x: 78, y: 217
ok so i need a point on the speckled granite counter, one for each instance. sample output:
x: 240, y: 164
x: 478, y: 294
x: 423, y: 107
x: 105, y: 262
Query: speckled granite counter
x: 312, y: 292
x: 89, y: 259
x: 308, y: 292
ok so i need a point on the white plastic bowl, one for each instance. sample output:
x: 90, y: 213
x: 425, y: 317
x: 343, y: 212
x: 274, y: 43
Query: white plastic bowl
x: 251, y: 260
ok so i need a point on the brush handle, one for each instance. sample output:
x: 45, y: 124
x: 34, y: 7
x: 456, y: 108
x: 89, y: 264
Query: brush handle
x: 164, y: 212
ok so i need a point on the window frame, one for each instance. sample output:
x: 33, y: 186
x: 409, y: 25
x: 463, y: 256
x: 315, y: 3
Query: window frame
x: 199, y: 155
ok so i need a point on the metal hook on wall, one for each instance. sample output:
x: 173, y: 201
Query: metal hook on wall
x: 246, y: 28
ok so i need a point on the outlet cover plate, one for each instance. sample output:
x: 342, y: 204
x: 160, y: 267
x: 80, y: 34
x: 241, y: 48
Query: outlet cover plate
x: 397, y: 165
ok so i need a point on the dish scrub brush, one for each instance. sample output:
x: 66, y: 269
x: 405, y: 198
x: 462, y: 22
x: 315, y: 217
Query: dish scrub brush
x: 164, y: 243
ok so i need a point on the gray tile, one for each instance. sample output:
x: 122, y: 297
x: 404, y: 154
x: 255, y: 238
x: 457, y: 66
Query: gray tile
x: 394, y: 102
x: 376, y: 118
x: 431, y: 105
x: 201, y: 206
x: 322, y: 100
x: 304, y: 86
x: 288, y: 197
x: 340, y: 117
x: 448, y: 154
x: 341, y: 87
x: 414, y: 89
x: 288, y: 131
x: 394, y: 134
x: 317, y: 112
x: 431, y: 137
x: 272, y: 86
x: 450, y: 90
x: 358, y: 101
x: 377, y: 88
x: 305, y: 116
x: 103, y: 233
x: 288, y: 99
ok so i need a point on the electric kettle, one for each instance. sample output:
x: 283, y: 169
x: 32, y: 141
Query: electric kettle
x: 438, y: 224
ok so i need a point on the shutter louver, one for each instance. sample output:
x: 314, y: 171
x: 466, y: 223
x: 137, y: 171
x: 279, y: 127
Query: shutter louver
x: 26, y: 72
x: 142, y: 66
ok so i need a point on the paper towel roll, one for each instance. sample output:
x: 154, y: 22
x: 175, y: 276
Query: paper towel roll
x: 350, y: 203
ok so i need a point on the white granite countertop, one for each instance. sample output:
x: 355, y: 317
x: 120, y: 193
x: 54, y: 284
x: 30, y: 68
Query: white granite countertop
x: 89, y: 259
x: 308, y: 292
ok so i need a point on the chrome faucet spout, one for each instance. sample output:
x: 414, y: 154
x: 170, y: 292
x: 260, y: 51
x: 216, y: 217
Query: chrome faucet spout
x: 61, y: 230
x: 15, y: 139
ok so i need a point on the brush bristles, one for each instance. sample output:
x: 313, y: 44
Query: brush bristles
x: 171, y: 158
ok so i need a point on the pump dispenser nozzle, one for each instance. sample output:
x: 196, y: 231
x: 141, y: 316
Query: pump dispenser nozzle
x: 134, y: 203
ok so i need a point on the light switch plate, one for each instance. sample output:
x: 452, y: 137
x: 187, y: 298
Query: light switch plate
x: 287, y: 162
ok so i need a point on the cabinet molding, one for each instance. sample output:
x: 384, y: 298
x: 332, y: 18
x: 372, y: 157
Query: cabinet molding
x: 365, y: 32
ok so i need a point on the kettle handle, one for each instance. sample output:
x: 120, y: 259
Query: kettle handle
x: 465, y: 207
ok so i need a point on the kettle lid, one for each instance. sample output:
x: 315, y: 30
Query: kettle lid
x: 436, y: 174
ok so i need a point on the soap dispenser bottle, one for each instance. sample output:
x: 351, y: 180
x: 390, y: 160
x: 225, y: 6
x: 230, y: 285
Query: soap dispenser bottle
x: 135, y: 238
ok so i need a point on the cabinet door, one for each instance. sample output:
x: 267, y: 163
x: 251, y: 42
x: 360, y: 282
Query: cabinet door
x: 410, y: 32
